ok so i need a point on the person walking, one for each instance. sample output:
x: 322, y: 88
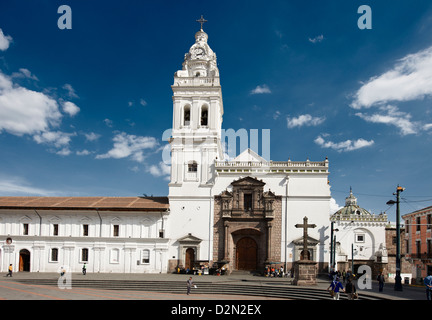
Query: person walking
x: 381, y: 281
x: 335, y: 288
x: 189, y: 284
x: 428, y: 283
x: 84, y: 269
x: 9, y: 271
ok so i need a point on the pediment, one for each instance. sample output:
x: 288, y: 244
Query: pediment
x: 249, y: 155
x: 310, y: 241
x: 190, y: 239
x: 248, y: 181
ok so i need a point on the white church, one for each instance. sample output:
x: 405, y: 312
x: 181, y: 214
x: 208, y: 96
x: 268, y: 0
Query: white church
x: 238, y: 213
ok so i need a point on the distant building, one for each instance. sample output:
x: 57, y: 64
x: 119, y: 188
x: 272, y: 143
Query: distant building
x: 359, y: 237
x: 418, y: 240
x: 390, y: 271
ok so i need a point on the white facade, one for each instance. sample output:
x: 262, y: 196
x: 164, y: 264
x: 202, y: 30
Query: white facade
x: 45, y: 240
x: 360, y: 235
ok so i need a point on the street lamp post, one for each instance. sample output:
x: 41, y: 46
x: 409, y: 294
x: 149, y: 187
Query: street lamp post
x: 398, y: 279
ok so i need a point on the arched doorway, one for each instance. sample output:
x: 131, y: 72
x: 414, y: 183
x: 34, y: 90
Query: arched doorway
x: 190, y: 258
x: 24, y: 260
x: 246, y: 254
x: 305, y: 255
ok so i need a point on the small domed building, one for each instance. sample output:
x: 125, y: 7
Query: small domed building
x: 359, y: 238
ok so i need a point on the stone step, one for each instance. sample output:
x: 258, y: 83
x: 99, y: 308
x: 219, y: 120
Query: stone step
x: 179, y: 287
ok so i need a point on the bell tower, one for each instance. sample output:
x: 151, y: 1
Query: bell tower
x: 195, y: 145
x: 197, y: 118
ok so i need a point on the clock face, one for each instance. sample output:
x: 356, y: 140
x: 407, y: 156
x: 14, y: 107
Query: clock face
x: 199, y: 52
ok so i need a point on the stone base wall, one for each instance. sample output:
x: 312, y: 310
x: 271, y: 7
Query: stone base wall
x: 305, y: 273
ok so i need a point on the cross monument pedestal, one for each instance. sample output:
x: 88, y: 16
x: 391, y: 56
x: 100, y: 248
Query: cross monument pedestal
x: 305, y: 269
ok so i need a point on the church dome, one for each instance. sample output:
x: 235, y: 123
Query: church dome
x: 351, y: 207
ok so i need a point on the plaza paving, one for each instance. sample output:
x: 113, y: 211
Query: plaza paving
x: 99, y: 286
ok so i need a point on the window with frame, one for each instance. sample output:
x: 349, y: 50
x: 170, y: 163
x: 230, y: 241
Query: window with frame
x: 429, y: 221
x: 145, y: 258
x: 25, y: 229
x: 247, y: 201
x: 360, y: 238
x: 418, y: 248
x: 84, y: 255
x: 116, y: 229
x: 54, y: 254
x: 85, y: 230
x: 187, y: 116
x: 204, y: 116
x: 114, y: 255
x: 418, y: 223
x: 192, y: 167
x: 55, y: 229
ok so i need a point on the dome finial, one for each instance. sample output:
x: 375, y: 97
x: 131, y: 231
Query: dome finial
x: 202, y: 21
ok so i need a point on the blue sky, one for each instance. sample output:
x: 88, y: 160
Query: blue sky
x: 82, y: 111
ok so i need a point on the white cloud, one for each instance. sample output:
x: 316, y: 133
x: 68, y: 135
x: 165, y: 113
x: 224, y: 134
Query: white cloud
x: 57, y: 139
x: 143, y: 102
x: 261, y: 89
x: 84, y: 152
x: 92, y: 136
x: 276, y: 114
x: 347, y: 145
x: 132, y: 146
x: 334, y: 207
x: 23, y: 111
x: 70, y: 91
x: 159, y: 170
x: 15, y: 186
x: 304, y: 120
x: 410, y: 79
x: 70, y: 108
x: 392, y: 116
x: 317, y: 39
x: 4, y: 41
x: 108, y: 123
x: 24, y: 73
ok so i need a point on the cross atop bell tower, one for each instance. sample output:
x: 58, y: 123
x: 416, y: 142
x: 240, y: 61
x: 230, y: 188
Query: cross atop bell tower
x: 202, y: 21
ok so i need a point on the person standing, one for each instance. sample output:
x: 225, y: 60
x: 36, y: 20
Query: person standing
x: 335, y: 288
x: 9, y: 271
x: 381, y: 281
x: 84, y: 269
x: 350, y: 289
x: 428, y: 283
x: 189, y: 284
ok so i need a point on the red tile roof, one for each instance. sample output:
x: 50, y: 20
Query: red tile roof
x: 86, y: 203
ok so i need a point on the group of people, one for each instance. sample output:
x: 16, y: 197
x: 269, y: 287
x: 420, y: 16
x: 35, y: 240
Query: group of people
x: 344, y: 275
x: 336, y: 285
x: 275, y: 272
x: 350, y: 289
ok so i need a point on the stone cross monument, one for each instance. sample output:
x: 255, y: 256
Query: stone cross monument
x: 305, y: 269
x: 305, y: 227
